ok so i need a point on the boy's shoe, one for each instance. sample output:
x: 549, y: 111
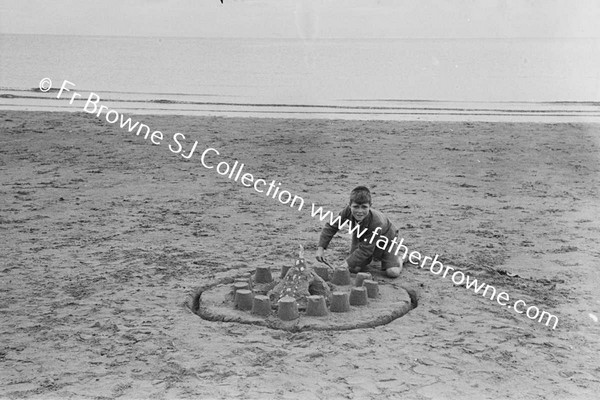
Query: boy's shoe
x: 394, y: 272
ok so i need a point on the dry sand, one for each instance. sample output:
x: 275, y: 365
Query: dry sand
x: 105, y: 235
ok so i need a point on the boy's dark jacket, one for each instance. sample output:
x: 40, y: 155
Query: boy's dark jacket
x: 362, y: 251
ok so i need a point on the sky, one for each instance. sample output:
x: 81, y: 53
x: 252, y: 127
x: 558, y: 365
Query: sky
x: 308, y: 19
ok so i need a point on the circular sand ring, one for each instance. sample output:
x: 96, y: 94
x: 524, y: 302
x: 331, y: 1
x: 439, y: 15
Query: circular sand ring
x: 216, y: 303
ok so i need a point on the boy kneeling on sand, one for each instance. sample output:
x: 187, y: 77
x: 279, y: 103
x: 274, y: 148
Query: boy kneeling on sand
x: 373, y: 235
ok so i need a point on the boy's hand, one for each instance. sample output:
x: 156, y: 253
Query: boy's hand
x: 320, y: 254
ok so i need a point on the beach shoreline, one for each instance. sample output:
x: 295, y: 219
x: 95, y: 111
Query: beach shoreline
x: 354, y: 110
x: 107, y: 234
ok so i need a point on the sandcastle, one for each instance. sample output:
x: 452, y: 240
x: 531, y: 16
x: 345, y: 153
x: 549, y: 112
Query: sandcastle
x: 301, y: 297
x: 301, y: 288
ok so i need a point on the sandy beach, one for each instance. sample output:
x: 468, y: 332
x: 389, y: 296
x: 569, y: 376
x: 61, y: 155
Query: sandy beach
x: 106, y: 237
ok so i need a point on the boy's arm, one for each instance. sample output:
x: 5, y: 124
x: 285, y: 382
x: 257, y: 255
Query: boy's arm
x: 327, y: 233
x: 329, y: 230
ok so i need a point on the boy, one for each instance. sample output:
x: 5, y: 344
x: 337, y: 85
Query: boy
x: 374, y: 238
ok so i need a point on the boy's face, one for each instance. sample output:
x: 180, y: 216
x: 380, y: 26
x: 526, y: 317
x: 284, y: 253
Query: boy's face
x: 359, y: 211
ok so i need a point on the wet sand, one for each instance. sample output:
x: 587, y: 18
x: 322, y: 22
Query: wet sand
x: 106, y: 235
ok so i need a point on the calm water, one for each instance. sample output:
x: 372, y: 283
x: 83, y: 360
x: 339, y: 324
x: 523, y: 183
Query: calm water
x: 384, y: 79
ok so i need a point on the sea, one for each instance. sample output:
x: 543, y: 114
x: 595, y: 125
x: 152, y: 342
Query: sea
x: 540, y: 80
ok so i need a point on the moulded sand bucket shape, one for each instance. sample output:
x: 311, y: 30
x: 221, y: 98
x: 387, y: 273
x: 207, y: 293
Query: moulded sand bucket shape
x: 358, y: 296
x: 261, y: 305
x: 240, y: 285
x: 243, y: 299
x: 372, y: 288
x: 263, y: 275
x: 315, y: 306
x: 322, y: 271
x: 288, y: 309
x: 361, y: 277
x: 340, y: 302
x: 244, y: 277
x: 247, y: 277
x: 341, y: 276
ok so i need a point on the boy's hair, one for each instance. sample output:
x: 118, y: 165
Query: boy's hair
x: 360, y: 195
